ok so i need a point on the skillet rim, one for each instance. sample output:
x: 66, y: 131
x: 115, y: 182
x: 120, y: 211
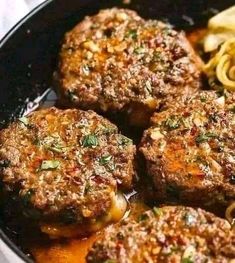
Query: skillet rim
x: 3, y: 236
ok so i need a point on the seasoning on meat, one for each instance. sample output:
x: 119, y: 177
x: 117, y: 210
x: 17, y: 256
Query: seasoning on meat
x: 189, y: 151
x: 67, y: 166
x: 117, y: 61
x: 168, y: 234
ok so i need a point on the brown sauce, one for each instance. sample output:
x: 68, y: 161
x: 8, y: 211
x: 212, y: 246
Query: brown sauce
x: 71, y: 251
x: 74, y: 250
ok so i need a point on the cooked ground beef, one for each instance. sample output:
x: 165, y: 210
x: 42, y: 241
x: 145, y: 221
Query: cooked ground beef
x: 65, y: 166
x: 169, y: 234
x: 117, y: 61
x: 189, y: 151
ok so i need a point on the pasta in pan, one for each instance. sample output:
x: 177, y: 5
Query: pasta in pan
x: 221, y: 27
x: 222, y: 65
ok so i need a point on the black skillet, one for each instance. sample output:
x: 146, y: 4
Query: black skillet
x: 28, y: 53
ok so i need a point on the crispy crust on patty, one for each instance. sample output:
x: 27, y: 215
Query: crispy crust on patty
x: 189, y: 151
x: 115, y: 60
x: 65, y: 163
x: 168, y: 234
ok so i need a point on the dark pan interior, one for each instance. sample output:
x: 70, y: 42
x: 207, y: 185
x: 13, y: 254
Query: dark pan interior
x: 28, y: 54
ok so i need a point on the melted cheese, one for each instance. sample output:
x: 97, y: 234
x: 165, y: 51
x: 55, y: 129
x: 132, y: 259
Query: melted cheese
x: 75, y: 250
x: 116, y: 212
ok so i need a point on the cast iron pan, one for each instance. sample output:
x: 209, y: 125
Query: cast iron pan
x: 28, y: 53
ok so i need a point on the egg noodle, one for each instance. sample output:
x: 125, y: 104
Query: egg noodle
x: 222, y: 65
x: 220, y: 42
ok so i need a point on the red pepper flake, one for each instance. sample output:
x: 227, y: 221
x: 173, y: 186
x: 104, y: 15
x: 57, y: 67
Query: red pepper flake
x: 193, y: 130
x: 200, y: 175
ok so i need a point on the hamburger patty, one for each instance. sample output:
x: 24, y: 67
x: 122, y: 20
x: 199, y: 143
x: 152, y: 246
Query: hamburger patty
x: 66, y: 166
x: 116, y: 61
x: 168, y: 234
x: 189, y: 151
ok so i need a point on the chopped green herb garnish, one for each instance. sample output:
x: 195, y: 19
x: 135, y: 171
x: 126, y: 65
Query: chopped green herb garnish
x: 123, y: 141
x: 143, y: 217
x: 37, y: 142
x: 166, y: 30
x: 49, y: 165
x: 111, y: 166
x: 108, y: 162
x: 110, y: 261
x: 109, y: 130
x: 57, y: 148
x: 90, y: 141
x: 157, y: 56
x: 53, y: 143
x: 94, y: 26
x: 187, y: 260
x: 139, y: 50
x: 173, y: 249
x: 24, y: 120
x: 205, y: 137
x: 132, y: 33
x: 200, y: 160
x: 172, y: 123
x: 157, y: 211
x: 87, y: 188
x: 105, y: 159
x: 203, y: 99
x: 103, y: 130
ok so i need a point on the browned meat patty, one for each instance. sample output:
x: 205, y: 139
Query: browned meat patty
x: 116, y: 61
x: 189, y: 151
x: 66, y: 166
x: 168, y: 234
